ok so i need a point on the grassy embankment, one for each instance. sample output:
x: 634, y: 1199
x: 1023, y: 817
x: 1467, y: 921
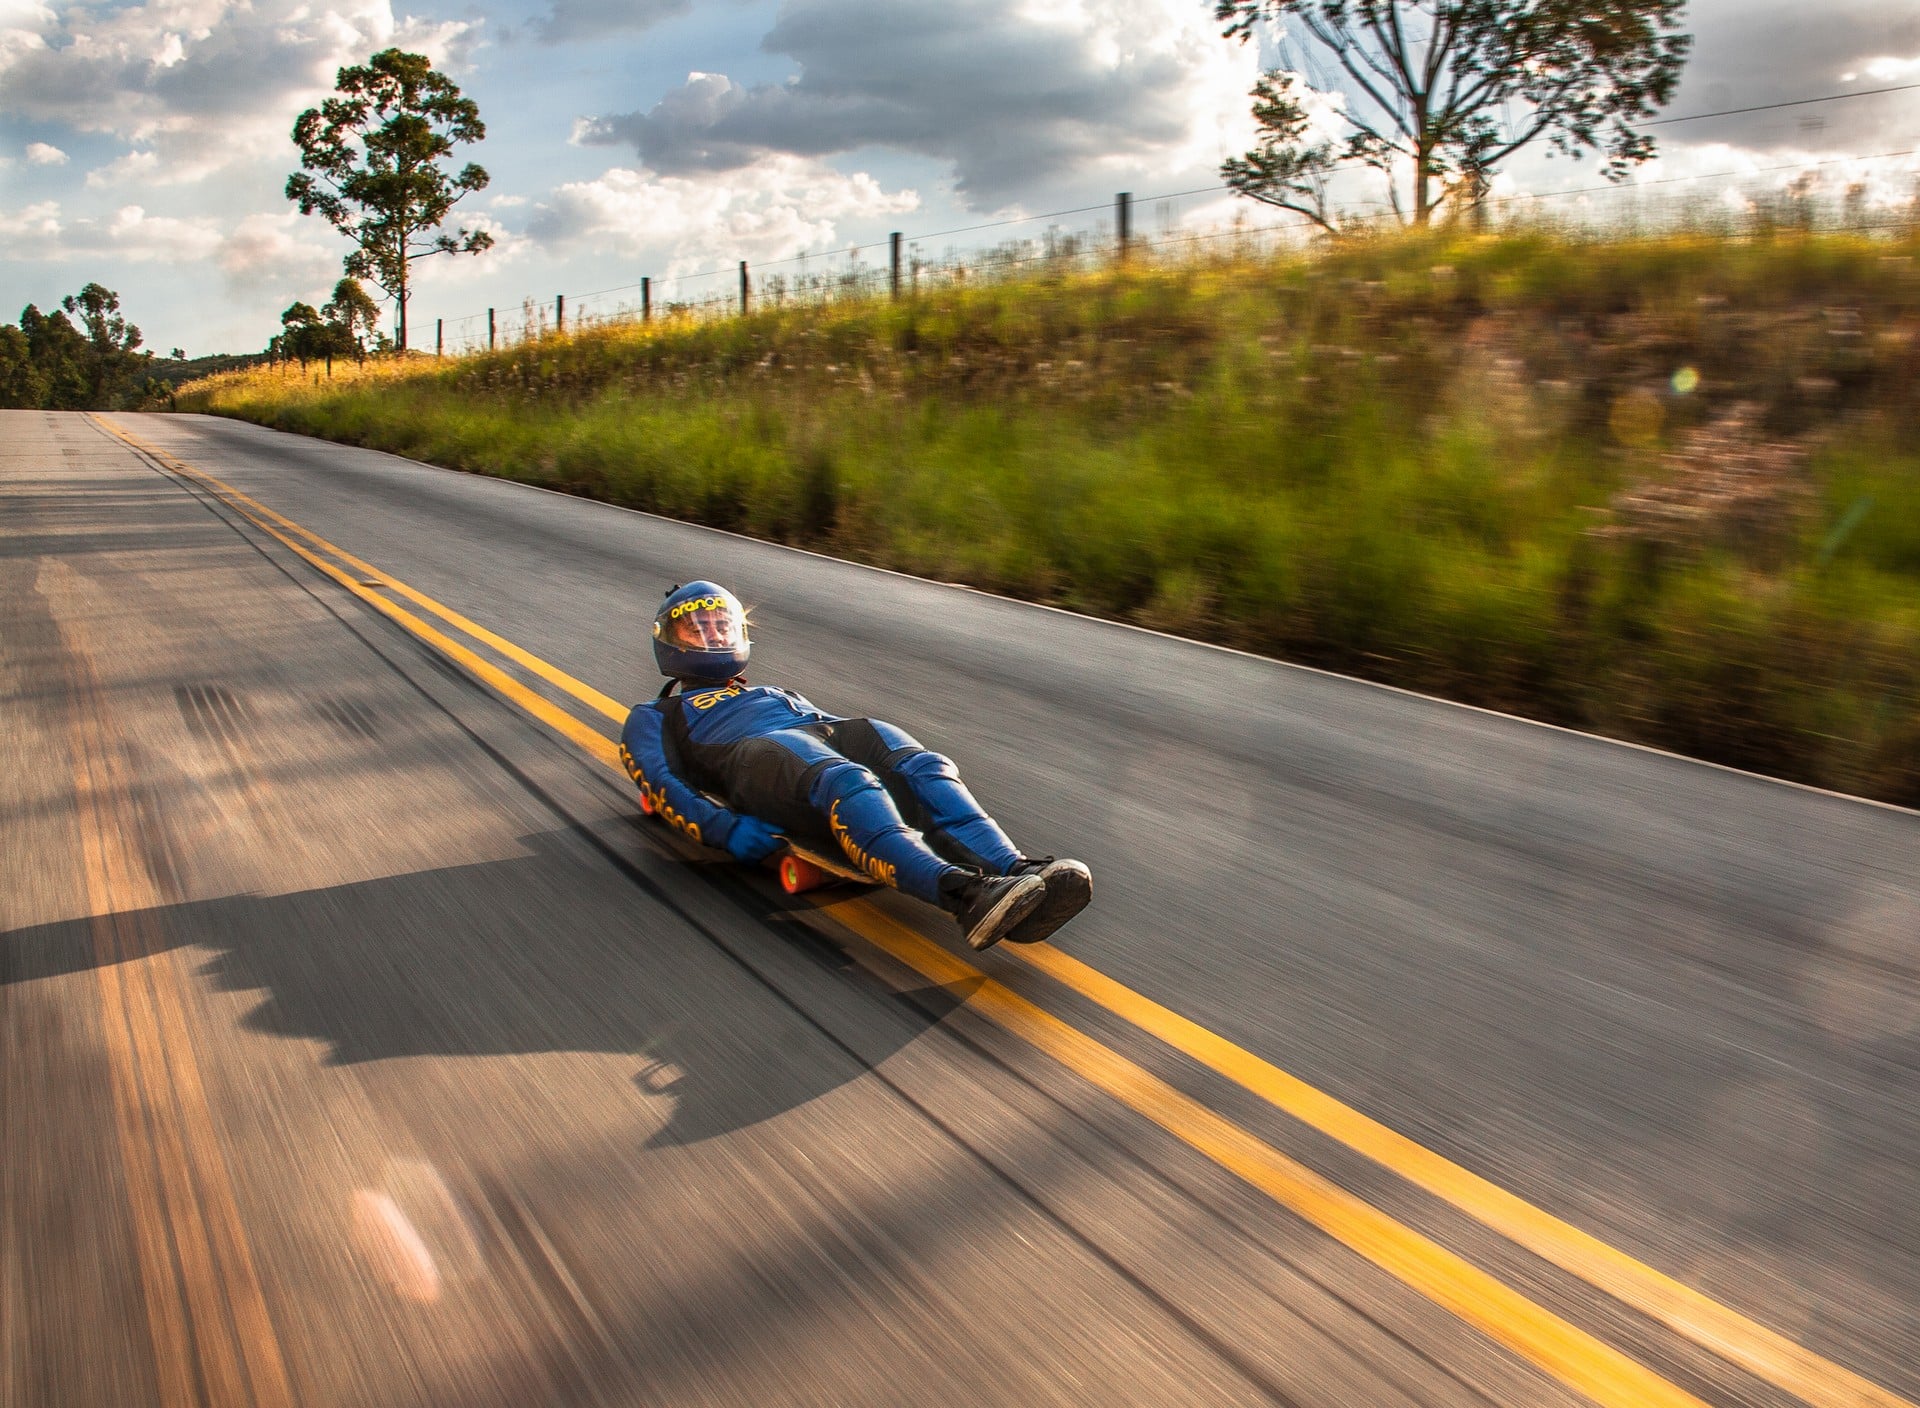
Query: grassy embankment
x: 1665, y: 489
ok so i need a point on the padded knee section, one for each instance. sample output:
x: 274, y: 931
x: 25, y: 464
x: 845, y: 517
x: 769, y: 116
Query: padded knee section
x: 870, y: 831
x: 893, y: 738
x: 952, y: 811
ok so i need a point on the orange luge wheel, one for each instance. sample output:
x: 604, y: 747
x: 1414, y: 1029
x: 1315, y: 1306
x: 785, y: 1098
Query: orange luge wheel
x: 797, y: 876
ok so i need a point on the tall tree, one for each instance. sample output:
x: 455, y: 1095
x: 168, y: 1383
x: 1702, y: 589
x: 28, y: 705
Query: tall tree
x: 303, y: 337
x: 111, y: 340
x: 62, y: 360
x: 354, y: 315
x: 377, y: 149
x: 1442, y: 91
x: 22, y: 387
x: 335, y: 329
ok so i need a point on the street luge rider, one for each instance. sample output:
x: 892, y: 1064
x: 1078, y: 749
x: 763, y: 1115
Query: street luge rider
x: 899, y: 813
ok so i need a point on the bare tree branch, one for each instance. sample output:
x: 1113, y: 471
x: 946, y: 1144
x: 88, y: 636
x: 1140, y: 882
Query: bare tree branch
x: 1343, y: 51
x: 1583, y: 70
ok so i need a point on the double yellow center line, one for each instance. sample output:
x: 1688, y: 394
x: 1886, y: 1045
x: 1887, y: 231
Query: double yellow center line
x: 1559, y: 1348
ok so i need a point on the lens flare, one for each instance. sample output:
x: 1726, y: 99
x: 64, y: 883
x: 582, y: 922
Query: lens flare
x: 1685, y: 381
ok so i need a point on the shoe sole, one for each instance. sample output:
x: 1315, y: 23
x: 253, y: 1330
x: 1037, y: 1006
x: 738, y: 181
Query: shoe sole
x: 1069, y: 889
x: 1015, y: 905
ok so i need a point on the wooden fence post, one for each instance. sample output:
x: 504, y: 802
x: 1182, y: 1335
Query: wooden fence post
x: 489, y: 329
x: 646, y: 300
x: 743, y: 288
x: 439, y: 342
x: 559, y: 312
x: 893, y: 263
x: 1123, y: 221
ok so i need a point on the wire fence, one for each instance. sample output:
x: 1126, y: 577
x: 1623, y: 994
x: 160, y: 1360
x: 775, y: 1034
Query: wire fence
x: 1200, y: 225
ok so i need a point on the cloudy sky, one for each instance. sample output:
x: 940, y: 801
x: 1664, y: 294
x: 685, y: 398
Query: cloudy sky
x: 144, y: 143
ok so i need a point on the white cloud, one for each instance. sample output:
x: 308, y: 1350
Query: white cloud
x: 268, y: 250
x: 1715, y: 174
x: 261, y: 250
x: 1021, y: 98
x: 161, y: 239
x: 41, y: 154
x: 458, y: 270
x: 1751, y: 53
x: 1886, y: 69
x: 203, y: 84
x: 31, y: 233
x: 134, y: 166
x: 39, y: 232
x: 773, y: 209
x: 21, y: 13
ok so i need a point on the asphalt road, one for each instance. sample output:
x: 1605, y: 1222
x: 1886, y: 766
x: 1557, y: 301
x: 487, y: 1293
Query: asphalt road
x: 361, y: 1045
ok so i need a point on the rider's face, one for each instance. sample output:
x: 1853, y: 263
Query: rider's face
x: 709, y: 630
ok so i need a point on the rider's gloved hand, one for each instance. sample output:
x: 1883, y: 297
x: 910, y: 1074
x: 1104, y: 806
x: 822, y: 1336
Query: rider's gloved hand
x: 751, y: 840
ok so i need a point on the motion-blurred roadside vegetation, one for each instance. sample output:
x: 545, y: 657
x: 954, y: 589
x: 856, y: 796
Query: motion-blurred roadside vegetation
x: 1663, y: 488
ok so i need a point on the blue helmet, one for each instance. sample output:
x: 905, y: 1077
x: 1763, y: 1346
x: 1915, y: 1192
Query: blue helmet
x: 700, y: 635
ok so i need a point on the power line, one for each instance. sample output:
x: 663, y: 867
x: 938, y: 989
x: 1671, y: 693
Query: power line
x: 1769, y: 107
x: 1339, y: 166
x: 930, y: 235
x: 1056, y: 214
x: 1703, y: 176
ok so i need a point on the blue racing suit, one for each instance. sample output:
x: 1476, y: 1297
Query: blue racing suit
x: 898, y: 812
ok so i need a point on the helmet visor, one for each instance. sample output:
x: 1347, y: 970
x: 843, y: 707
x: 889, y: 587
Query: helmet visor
x: 706, y: 623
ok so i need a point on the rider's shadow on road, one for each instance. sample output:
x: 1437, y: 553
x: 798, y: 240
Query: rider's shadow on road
x: 554, y: 951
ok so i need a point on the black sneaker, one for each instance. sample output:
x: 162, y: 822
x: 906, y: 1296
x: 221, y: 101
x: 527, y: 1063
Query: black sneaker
x: 1069, y: 887
x: 986, y: 906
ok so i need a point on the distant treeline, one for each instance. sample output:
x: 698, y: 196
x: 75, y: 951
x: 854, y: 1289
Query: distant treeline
x: 85, y: 356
